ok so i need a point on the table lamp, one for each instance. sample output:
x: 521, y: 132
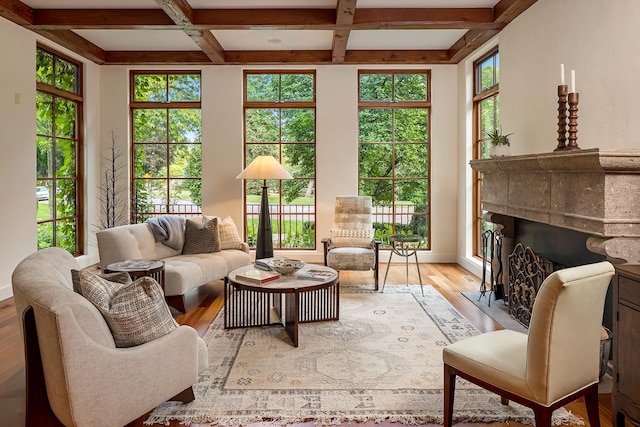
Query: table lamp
x: 264, y: 168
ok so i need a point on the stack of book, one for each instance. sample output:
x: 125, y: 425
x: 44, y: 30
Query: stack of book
x: 257, y: 276
x: 316, y: 274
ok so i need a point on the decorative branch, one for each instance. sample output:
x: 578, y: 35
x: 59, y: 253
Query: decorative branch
x: 112, y: 190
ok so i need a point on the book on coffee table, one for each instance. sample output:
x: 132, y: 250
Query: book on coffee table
x: 316, y: 274
x: 258, y: 276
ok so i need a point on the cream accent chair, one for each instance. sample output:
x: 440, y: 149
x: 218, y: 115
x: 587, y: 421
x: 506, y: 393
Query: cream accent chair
x: 352, y: 245
x: 75, y: 374
x: 556, y: 363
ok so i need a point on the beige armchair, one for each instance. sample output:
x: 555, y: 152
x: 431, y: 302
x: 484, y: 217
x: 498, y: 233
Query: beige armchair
x: 75, y: 374
x: 556, y: 363
x: 352, y: 245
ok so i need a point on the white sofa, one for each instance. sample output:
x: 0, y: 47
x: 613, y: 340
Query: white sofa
x: 76, y: 376
x: 182, y: 272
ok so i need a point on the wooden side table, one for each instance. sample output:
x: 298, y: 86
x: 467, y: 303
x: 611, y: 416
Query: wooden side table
x: 404, y: 245
x: 139, y: 268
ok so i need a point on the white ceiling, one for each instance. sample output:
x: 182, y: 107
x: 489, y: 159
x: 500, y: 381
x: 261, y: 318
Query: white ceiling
x: 266, y: 39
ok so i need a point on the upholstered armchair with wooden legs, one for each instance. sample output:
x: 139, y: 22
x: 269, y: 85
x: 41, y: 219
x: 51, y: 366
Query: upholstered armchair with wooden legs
x: 352, y: 245
x: 556, y: 363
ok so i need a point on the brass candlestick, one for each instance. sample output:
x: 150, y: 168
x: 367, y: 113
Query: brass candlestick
x: 563, y: 90
x: 573, y: 99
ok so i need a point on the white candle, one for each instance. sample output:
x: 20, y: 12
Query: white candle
x: 573, y: 81
x: 562, y: 74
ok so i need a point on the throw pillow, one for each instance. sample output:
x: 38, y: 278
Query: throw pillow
x: 200, y: 239
x: 229, y: 237
x: 121, y: 277
x: 136, y: 312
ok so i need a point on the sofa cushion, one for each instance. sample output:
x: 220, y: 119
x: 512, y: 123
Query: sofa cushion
x: 136, y: 312
x: 121, y: 277
x: 200, y: 239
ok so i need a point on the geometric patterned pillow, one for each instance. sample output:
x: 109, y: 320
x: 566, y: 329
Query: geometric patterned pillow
x: 201, y: 239
x: 121, y: 277
x: 229, y: 237
x: 136, y: 313
x: 362, y: 233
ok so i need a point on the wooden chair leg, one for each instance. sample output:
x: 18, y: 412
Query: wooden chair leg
x: 542, y: 415
x: 591, y: 401
x: 185, y: 396
x: 504, y: 400
x: 38, y: 411
x: 449, y: 394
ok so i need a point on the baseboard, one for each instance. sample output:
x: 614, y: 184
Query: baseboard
x: 6, y: 292
x: 474, y: 266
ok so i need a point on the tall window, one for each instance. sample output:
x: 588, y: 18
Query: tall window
x: 166, y: 149
x: 394, y: 111
x: 486, y: 107
x: 280, y: 120
x: 59, y: 151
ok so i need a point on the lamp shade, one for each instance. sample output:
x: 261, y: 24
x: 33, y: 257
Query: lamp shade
x: 264, y: 167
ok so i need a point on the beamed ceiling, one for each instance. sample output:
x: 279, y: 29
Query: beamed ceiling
x: 164, y: 32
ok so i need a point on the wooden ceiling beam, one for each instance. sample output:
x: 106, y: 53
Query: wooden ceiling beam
x: 75, y: 43
x: 134, y: 19
x: 16, y: 12
x: 276, y: 57
x: 468, y: 43
x: 129, y: 57
x: 181, y: 13
x: 247, y: 19
x: 453, y: 18
x: 397, y: 57
x: 344, y: 17
x: 506, y: 11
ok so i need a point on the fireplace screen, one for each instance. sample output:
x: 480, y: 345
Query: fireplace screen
x: 527, y: 271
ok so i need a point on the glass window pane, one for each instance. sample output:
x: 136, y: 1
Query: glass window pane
x: 45, y: 235
x: 263, y: 87
x: 255, y: 150
x: 44, y: 114
x: 411, y: 161
x: 151, y: 161
x: 66, y: 234
x: 376, y: 87
x: 65, y: 114
x: 297, y: 87
x: 185, y: 125
x: 488, y: 70
x: 44, y: 67
x: 412, y: 191
x: 262, y: 125
x: 185, y: 196
x: 157, y: 195
x: 298, y: 125
x: 380, y: 190
x: 375, y: 125
x: 149, y: 125
x: 184, y: 87
x: 65, y: 158
x: 299, y: 159
x: 179, y: 155
x: 66, y: 198
x: 150, y: 88
x: 66, y: 75
x: 44, y: 157
x: 375, y: 160
x: 410, y: 87
x: 411, y: 124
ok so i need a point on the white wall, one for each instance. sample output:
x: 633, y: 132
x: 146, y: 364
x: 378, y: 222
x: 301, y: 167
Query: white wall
x: 600, y: 40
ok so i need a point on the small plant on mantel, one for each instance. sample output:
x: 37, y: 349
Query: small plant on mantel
x: 499, y: 143
x: 497, y: 138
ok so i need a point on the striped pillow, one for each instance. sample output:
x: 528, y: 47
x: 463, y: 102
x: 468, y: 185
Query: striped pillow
x: 229, y: 237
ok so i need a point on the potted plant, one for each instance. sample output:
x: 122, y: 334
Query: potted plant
x: 500, y: 144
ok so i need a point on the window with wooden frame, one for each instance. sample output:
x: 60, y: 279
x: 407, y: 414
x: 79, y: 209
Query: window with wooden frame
x: 280, y: 120
x: 394, y: 110
x: 486, y: 118
x: 166, y: 153
x: 59, y: 151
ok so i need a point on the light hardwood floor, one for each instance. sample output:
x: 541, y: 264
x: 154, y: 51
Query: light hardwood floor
x: 448, y: 279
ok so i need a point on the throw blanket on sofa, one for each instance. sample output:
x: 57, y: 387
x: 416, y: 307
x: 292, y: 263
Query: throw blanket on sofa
x: 169, y: 230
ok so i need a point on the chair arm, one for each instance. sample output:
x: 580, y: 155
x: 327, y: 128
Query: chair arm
x: 137, y: 378
x: 326, y: 242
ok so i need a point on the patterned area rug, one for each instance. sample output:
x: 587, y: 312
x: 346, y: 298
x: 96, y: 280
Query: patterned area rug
x: 381, y: 361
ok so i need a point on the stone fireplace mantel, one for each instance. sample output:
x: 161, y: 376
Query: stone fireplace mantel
x: 594, y: 191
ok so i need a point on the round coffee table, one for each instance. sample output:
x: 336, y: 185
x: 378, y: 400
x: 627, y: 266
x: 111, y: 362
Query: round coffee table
x: 139, y: 268
x: 291, y: 298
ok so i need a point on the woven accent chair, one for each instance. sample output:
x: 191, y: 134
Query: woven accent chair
x: 556, y: 363
x: 352, y: 246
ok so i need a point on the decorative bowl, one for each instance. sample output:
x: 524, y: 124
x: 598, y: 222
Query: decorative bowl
x: 286, y: 265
